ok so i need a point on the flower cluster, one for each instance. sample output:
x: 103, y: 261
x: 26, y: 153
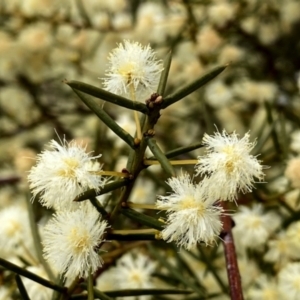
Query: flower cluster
x: 61, y: 173
x: 193, y: 210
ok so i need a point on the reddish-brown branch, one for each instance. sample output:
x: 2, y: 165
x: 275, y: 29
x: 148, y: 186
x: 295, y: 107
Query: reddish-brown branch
x: 234, y: 278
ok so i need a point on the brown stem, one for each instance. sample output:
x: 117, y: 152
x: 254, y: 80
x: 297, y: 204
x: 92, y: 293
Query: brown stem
x: 234, y: 278
x: 9, y: 180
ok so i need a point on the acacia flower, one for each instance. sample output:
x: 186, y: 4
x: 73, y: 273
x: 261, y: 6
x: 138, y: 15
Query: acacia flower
x: 228, y: 166
x: 70, y: 240
x: 191, y: 216
x: 254, y: 225
x: 288, y: 281
x: 14, y: 230
x: 133, y: 71
x: 265, y: 288
x: 133, y: 271
x: 63, y: 172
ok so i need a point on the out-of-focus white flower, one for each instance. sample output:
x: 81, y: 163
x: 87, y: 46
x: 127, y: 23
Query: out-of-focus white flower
x: 14, y: 230
x: 43, y: 8
x: 133, y: 271
x: 250, y: 24
x: 253, y: 225
x: 5, y: 293
x: 106, y: 281
x: 208, y: 40
x: 288, y: 282
x: 11, y: 98
x: 36, y: 38
x: 231, y: 54
x: 143, y: 192
x: 221, y: 13
x: 264, y: 289
x: 253, y: 91
x: 291, y: 198
x: 281, y: 250
x: 279, y: 185
x: 228, y: 165
x: 295, y: 136
x: 34, y: 289
x: 289, y: 14
x: 268, y: 33
x: 292, y: 171
x: 62, y: 173
x: 248, y: 268
x: 70, y: 240
x: 192, y: 217
x: 293, y: 235
x: 218, y: 94
x: 133, y: 71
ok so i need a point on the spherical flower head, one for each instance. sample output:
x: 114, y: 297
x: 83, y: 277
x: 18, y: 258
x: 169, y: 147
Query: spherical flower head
x: 133, y: 271
x: 62, y: 173
x: 191, y: 216
x: 289, y: 282
x: 70, y: 240
x: 253, y: 226
x: 228, y: 164
x: 133, y: 71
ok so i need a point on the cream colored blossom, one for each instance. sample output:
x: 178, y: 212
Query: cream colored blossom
x: 228, y: 165
x: 191, y: 216
x: 289, y: 282
x: 253, y: 226
x: 133, y: 71
x: 264, y: 289
x: 133, y: 271
x: 62, y: 173
x: 292, y: 171
x: 70, y: 240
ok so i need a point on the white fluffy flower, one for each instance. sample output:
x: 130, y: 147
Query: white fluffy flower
x: 228, y: 165
x: 133, y: 71
x: 133, y: 271
x: 253, y: 225
x: 62, y: 173
x: 289, y: 279
x: 192, y: 217
x: 70, y: 240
